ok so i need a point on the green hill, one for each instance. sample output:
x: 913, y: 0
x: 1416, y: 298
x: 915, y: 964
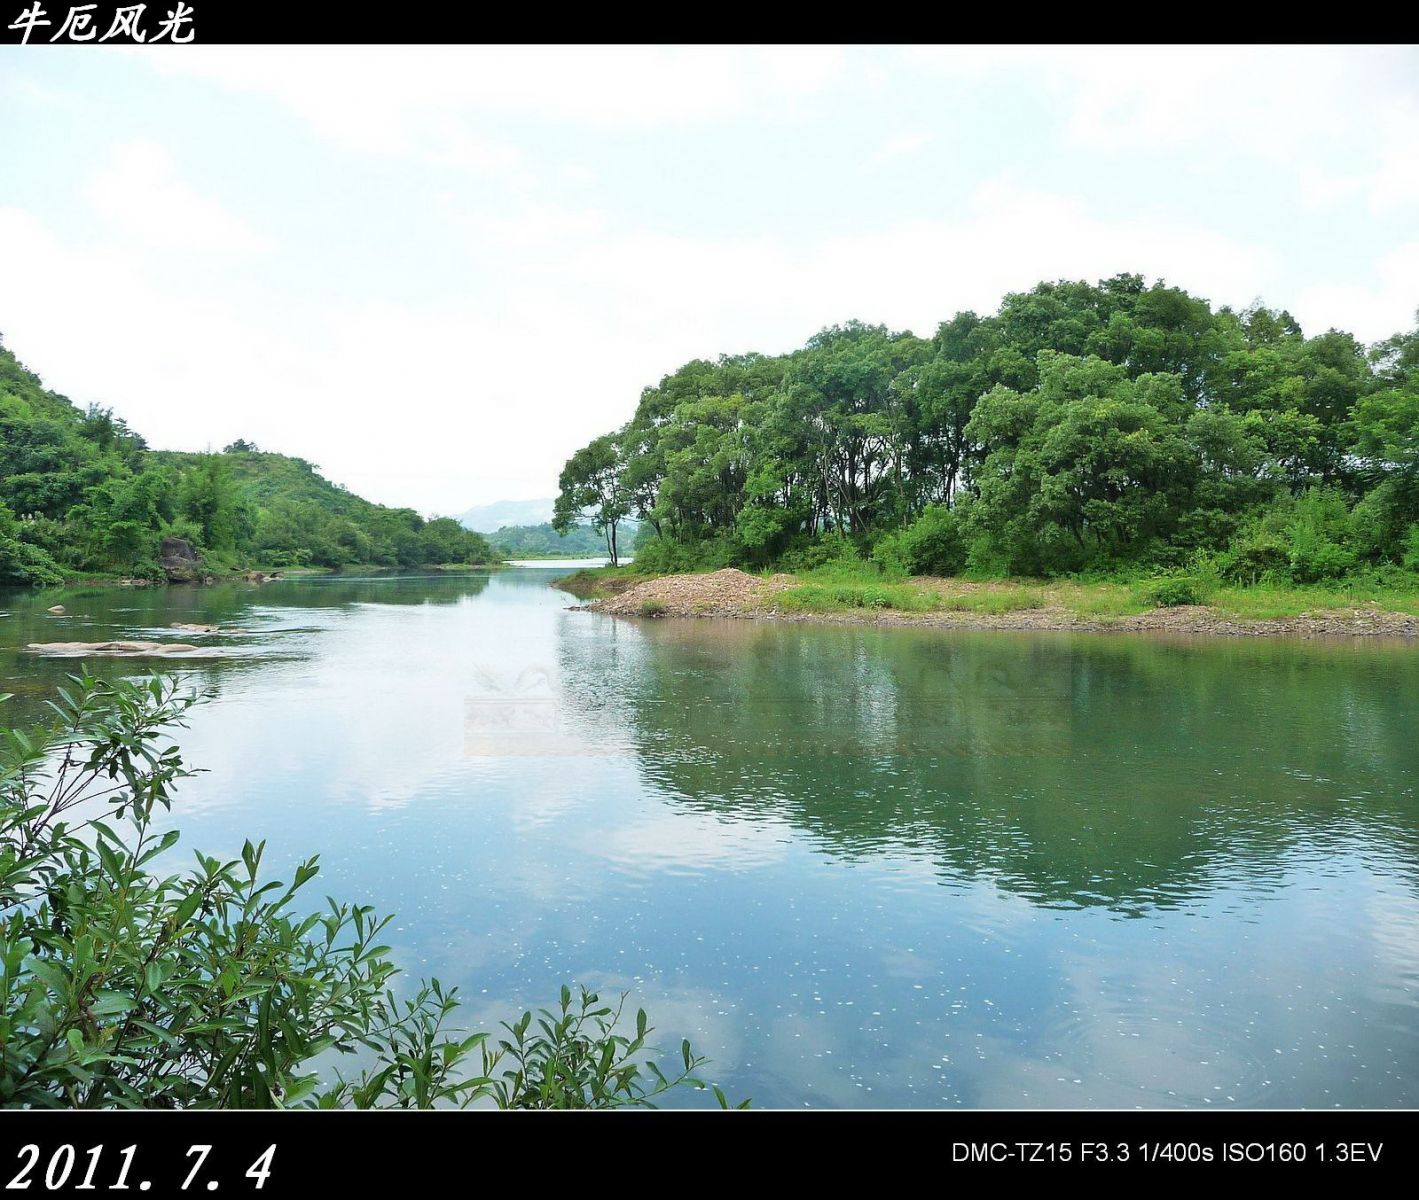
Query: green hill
x: 80, y: 493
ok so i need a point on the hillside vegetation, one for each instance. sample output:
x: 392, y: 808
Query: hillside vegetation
x: 81, y: 493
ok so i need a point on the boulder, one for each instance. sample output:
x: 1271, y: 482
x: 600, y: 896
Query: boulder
x: 180, y: 561
x: 195, y: 628
x: 56, y: 610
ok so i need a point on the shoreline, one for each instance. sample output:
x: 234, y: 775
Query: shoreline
x: 734, y: 595
x: 266, y: 575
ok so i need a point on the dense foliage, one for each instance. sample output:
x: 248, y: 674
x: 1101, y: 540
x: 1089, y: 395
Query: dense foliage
x: 1107, y: 427
x: 81, y: 492
x: 124, y: 987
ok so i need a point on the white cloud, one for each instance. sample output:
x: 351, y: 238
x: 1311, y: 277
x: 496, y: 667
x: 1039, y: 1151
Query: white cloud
x: 1386, y: 304
x: 756, y: 293
x: 1393, y: 184
x: 96, y: 324
x: 432, y: 99
x: 901, y: 144
x: 1396, y: 183
x: 140, y: 194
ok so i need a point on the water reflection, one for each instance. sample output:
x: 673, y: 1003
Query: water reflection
x: 1074, y: 771
x: 273, y: 620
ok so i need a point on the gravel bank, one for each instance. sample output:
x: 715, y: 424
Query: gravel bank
x: 734, y: 594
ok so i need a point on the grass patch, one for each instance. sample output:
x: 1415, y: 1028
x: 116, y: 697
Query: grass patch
x: 844, y: 597
x: 1266, y: 601
x: 992, y: 603
x: 904, y: 597
x: 849, y: 571
x: 653, y: 608
x: 1101, y: 600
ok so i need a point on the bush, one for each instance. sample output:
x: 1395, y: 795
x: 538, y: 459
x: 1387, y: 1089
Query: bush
x: 120, y: 987
x: 1174, y: 591
x: 1254, y: 559
x: 890, y: 556
x: 932, y: 545
x: 20, y: 560
x: 664, y: 556
x: 1410, y: 561
x: 652, y: 608
x: 814, y: 554
x: 1312, y: 560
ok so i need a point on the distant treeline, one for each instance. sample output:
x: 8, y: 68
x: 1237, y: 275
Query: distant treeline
x: 1104, y: 427
x: 80, y: 492
x: 543, y: 541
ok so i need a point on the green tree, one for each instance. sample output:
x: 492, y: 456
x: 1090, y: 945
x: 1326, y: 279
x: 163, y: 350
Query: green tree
x: 590, y: 486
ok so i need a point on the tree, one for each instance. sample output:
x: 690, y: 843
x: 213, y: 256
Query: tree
x: 1087, y: 468
x: 590, y: 486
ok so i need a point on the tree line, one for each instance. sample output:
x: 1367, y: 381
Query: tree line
x: 1083, y: 427
x: 81, y: 492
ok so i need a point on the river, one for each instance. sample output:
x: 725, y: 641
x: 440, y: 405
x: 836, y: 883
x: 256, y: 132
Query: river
x: 856, y: 866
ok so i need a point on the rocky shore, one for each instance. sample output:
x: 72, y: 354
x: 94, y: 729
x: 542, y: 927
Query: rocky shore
x: 735, y: 594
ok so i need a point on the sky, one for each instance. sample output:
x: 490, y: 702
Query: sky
x: 437, y: 271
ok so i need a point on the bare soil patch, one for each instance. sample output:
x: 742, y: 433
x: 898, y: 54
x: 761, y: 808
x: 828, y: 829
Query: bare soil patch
x: 726, y: 593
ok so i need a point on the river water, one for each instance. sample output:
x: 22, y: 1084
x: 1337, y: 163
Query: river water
x: 857, y: 867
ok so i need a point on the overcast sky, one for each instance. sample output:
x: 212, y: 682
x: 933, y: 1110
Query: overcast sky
x: 436, y: 272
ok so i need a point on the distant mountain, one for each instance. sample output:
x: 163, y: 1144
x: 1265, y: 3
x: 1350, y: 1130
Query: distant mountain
x: 489, y: 518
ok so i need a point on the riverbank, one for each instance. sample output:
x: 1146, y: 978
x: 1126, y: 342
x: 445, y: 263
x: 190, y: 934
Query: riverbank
x: 999, y: 604
x: 266, y: 574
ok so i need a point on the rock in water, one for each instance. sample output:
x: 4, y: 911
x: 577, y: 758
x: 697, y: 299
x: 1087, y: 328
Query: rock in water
x: 180, y: 561
x: 195, y: 628
x: 56, y: 610
x: 113, y: 649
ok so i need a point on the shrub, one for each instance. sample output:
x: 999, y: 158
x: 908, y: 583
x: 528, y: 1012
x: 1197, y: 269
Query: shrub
x: 932, y: 545
x: 1411, y: 550
x: 1312, y: 560
x: 652, y: 608
x: 1174, y: 591
x: 20, y: 560
x: 121, y: 987
x: 826, y: 550
x: 1253, y: 559
x: 664, y: 556
x: 890, y: 556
